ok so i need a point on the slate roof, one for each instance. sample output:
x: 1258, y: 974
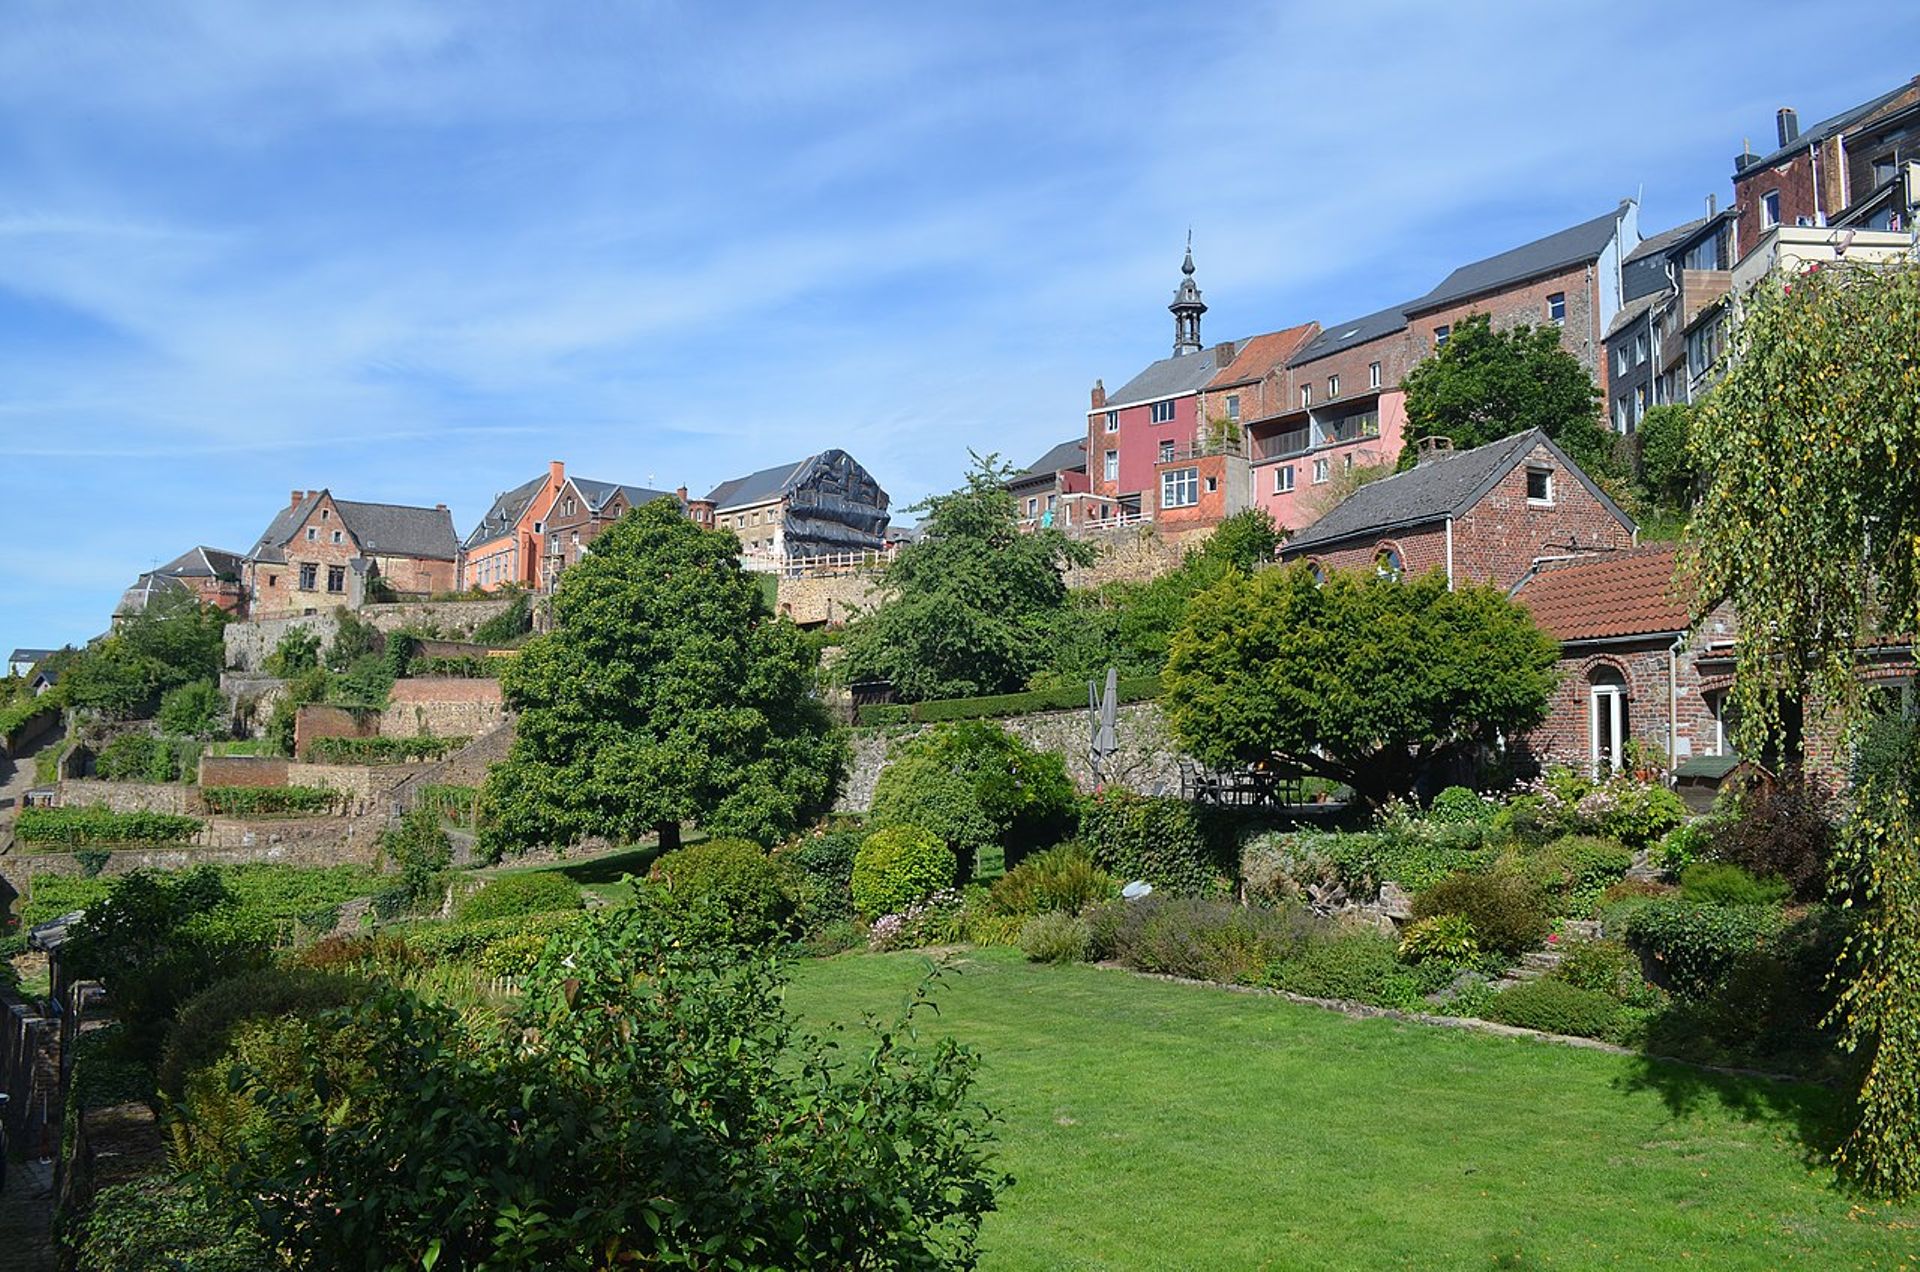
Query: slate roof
x: 1069, y: 455
x: 1633, y: 309
x: 768, y: 483
x: 1170, y: 377
x: 30, y: 655
x: 1431, y: 492
x: 1595, y: 598
x: 598, y: 493
x: 1665, y: 239
x: 382, y: 529
x: 1827, y: 128
x: 134, y: 599
x: 1260, y: 354
x: 1339, y: 337
x: 506, y: 511
x: 1570, y: 246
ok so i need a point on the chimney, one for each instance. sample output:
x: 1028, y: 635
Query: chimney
x: 293, y: 501
x: 1223, y: 354
x: 1099, y: 395
x: 1713, y: 206
x: 439, y: 507
x: 1746, y: 158
x: 680, y: 493
x: 1788, y: 121
x: 1432, y: 450
x: 556, y: 473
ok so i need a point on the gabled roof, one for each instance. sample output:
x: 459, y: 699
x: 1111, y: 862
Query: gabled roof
x: 1341, y: 336
x: 506, y: 511
x: 1826, y: 128
x: 1170, y: 377
x: 768, y: 483
x: 1433, y: 491
x: 599, y: 493
x: 204, y: 563
x: 1632, y: 311
x: 1665, y: 239
x: 1068, y: 455
x: 382, y: 529
x: 1601, y: 597
x: 1583, y: 242
x: 30, y: 655
x: 1260, y: 354
x: 134, y: 599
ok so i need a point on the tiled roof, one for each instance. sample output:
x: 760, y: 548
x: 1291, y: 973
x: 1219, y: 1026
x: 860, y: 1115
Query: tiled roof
x: 1595, y: 598
x: 30, y: 655
x: 1827, y: 127
x: 381, y: 529
x: 598, y: 493
x: 1170, y: 377
x: 1633, y: 310
x: 1069, y: 455
x: 1260, y: 354
x: 1341, y: 336
x: 1435, y: 490
x: 506, y: 511
x: 1665, y: 238
x: 768, y: 483
x: 204, y: 563
x: 1583, y: 242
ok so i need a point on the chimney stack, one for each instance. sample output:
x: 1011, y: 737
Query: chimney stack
x: 1224, y: 353
x: 1432, y: 450
x: 1713, y: 206
x: 439, y: 507
x: 556, y: 473
x: 1788, y: 121
x: 293, y: 501
x: 1099, y: 395
x: 680, y: 493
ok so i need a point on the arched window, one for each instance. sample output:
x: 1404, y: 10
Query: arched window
x: 1387, y: 563
x: 1607, y: 721
x: 1318, y: 571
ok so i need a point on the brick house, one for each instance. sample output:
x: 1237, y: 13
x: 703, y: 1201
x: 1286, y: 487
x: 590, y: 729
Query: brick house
x: 1669, y: 280
x: 211, y: 575
x: 580, y: 511
x: 1487, y: 515
x: 505, y: 548
x: 1812, y: 177
x: 823, y: 505
x: 1040, y: 490
x: 321, y: 552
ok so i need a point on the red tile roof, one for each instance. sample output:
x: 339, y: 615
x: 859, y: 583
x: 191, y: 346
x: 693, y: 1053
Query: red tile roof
x: 1618, y: 594
x: 1260, y: 354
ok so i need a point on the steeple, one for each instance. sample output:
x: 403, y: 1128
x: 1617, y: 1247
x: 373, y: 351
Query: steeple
x: 1187, y: 307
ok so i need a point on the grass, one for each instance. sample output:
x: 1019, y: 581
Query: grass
x: 243, y: 746
x: 601, y: 874
x: 1157, y: 1125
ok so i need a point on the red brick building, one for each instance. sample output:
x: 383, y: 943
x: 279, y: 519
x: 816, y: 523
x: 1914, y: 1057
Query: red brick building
x: 1812, y: 177
x: 505, y: 548
x: 580, y: 512
x: 321, y: 552
x: 1040, y: 491
x: 1487, y: 515
x: 211, y: 575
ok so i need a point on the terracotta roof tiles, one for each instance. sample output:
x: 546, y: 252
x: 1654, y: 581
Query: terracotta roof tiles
x: 1597, y: 598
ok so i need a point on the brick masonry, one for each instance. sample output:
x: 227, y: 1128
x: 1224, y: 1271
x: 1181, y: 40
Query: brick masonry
x: 831, y: 600
x: 1580, y: 335
x: 243, y: 770
x: 317, y: 720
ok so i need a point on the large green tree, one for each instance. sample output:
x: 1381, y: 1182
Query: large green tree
x: 1363, y: 680
x: 666, y: 693
x: 969, y: 607
x: 174, y: 641
x: 1483, y: 385
x: 1810, y: 525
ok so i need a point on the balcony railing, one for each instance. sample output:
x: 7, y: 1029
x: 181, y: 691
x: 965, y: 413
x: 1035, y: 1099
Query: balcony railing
x: 825, y: 565
x: 1350, y: 428
x: 1280, y: 445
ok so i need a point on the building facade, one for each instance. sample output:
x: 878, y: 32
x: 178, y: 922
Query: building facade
x: 581, y: 511
x: 507, y: 547
x: 320, y: 552
x: 1810, y: 178
x: 1042, y: 492
x: 1670, y: 279
x: 825, y: 505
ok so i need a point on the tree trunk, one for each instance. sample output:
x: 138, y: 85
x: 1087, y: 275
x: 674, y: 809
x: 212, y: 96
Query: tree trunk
x: 668, y: 835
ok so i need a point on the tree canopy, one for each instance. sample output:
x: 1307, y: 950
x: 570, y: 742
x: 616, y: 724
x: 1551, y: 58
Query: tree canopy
x: 1366, y: 681
x: 1483, y: 385
x: 666, y: 693
x: 968, y: 607
x: 174, y: 641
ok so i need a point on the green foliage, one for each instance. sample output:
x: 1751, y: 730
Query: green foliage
x: 671, y: 1118
x: 193, y: 710
x: 1063, y: 697
x: 937, y: 919
x: 1573, y: 870
x: 1557, y: 1007
x: 1160, y: 840
x: 1723, y: 883
x: 824, y: 862
x: 297, y: 653
x: 897, y: 866
x: 174, y: 641
x: 1055, y: 936
x: 1605, y: 966
x: 1358, y: 966
x: 90, y: 825
x: 1483, y: 385
x: 378, y: 750
x: 459, y: 666
x: 1781, y: 829
x: 449, y: 802
x: 1367, y: 682
x: 509, y: 625
x: 1203, y: 939
x: 468, y: 941
x: 366, y: 683
x: 729, y: 888
x: 354, y: 639
x: 92, y: 861
x: 1696, y: 944
x: 268, y: 801
x: 526, y: 892
x: 1568, y: 801
x: 141, y: 757
x: 667, y: 693
x: 976, y: 786
x: 15, y: 716
x: 420, y: 850
x: 304, y: 688
x: 969, y: 606
x: 206, y: 1021
x: 174, y: 1224
x: 1462, y: 806
x: 1443, y: 936
x: 1509, y: 913
x: 1062, y: 878
x: 1663, y: 461
x: 1683, y: 845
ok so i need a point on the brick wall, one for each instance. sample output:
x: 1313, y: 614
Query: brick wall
x: 317, y: 720
x: 1221, y: 484
x: 445, y: 706
x: 243, y: 770
x: 128, y: 797
x: 1423, y: 549
x: 1527, y: 303
x: 1498, y: 539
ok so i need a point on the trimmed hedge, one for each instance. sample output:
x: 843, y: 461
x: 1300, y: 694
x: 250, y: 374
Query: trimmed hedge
x: 380, y: 750
x: 1059, y: 698
x: 93, y: 825
x: 1697, y: 944
x: 1159, y: 839
x: 897, y: 867
x: 268, y: 801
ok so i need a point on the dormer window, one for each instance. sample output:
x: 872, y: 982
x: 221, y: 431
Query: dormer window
x: 570, y: 506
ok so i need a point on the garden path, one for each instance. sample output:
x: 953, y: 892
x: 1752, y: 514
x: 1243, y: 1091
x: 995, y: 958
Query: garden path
x: 26, y: 1217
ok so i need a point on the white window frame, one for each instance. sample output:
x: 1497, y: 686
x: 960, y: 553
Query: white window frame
x: 1166, y: 451
x: 1233, y: 406
x: 1373, y: 375
x: 1160, y: 412
x: 1440, y: 335
x: 1606, y: 712
x: 1557, y: 301
x: 1320, y: 472
x: 1306, y: 395
x: 1769, y: 209
x: 1333, y: 386
x: 1537, y: 470
x: 1180, y: 488
x: 1113, y: 421
x: 1110, y: 465
x: 1283, y: 478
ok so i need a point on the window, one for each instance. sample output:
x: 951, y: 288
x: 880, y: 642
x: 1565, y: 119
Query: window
x: 1620, y: 420
x: 1319, y: 471
x: 1440, y: 336
x: 1283, y: 479
x: 1639, y: 348
x: 1769, y: 209
x: 1333, y: 386
x: 1161, y: 412
x: 1387, y: 563
x: 1621, y: 362
x: 1347, y: 462
x: 1703, y: 255
x: 1052, y: 501
x: 1180, y: 488
x: 1557, y: 309
x: 1540, y: 485
x: 273, y: 580
x: 1166, y: 452
x: 308, y: 573
x: 1607, y: 731
x: 1306, y: 395
x: 1113, y: 421
x: 569, y: 505
x: 1233, y: 406
x: 1033, y: 507
x: 1213, y: 485
x: 1111, y: 465
x: 1373, y: 375
x: 313, y: 535
x: 336, y: 536
x: 336, y: 578
x: 1319, y: 572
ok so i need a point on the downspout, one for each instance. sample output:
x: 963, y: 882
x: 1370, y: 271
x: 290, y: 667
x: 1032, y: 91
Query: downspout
x: 1449, y: 554
x: 1673, y: 703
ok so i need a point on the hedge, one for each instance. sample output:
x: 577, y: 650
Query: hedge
x: 16, y: 716
x: 268, y: 801
x: 380, y: 750
x: 1058, y: 698
x: 90, y: 825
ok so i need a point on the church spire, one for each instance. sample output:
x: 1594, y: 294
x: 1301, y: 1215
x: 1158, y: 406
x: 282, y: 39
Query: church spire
x: 1187, y: 307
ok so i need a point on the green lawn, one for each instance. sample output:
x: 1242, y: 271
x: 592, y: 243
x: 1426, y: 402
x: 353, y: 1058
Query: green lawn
x: 1153, y: 1125
x: 601, y: 874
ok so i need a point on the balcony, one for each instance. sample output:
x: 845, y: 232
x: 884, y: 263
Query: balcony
x: 1295, y: 441
x: 1349, y: 428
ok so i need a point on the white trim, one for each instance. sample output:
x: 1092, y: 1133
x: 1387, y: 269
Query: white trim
x: 1165, y: 397
x: 1449, y: 554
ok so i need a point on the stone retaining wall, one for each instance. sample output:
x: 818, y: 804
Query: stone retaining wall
x: 243, y: 770
x: 445, y: 706
x: 304, y: 842
x: 365, y: 786
x: 128, y: 797
x: 831, y: 599
x: 249, y: 643
x: 1127, y: 554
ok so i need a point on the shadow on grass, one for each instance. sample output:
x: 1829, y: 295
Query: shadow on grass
x: 600, y: 871
x: 1817, y: 1114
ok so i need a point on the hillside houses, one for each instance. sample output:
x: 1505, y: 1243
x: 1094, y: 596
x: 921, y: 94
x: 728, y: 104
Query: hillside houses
x: 320, y: 552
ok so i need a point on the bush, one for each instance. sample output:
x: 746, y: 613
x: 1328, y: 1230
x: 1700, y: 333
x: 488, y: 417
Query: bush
x: 140, y: 757
x: 1055, y: 937
x: 194, y: 710
x: 920, y: 791
x: 1459, y: 805
x: 509, y: 625
x: 977, y: 786
x: 298, y: 652
x: 91, y: 824
x: 1683, y: 845
x: 205, y: 1023
x: 897, y: 866
x: 467, y: 940
x: 380, y: 750
x: 1360, y: 966
x: 1056, y: 698
x: 268, y: 801
x: 1782, y: 829
x: 531, y: 892
x: 1206, y: 940
x: 824, y: 862
x: 166, y: 1223
x: 420, y: 850
x: 1157, y: 839
x: 455, y: 804
x: 939, y: 919
x: 1723, y: 883
x: 1635, y: 813
x: 1603, y: 966
x: 92, y: 860
x: 1573, y: 870
x: 1061, y: 878
x: 727, y: 888
x: 1694, y: 945
x: 1444, y: 936
x: 1556, y: 1007
x: 1509, y: 914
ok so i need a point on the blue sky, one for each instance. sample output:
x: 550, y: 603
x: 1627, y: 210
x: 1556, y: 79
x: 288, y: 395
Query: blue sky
x: 411, y: 251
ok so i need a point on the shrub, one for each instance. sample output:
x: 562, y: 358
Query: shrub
x: 1458, y: 805
x: 268, y: 801
x: 1406, y: 849
x: 1444, y: 936
x: 1361, y: 966
x: 509, y: 625
x: 194, y: 710
x: 897, y: 866
x: 1156, y: 839
x: 205, y: 1023
x: 1695, y: 944
x: 449, y: 802
x: 824, y: 864
x: 1061, y: 878
x: 1635, y: 813
x: 92, y: 860
x: 1723, y: 883
x: 1683, y: 845
x: 166, y: 1223
x: 1574, y: 870
x: 1207, y: 940
x: 88, y: 825
x: 531, y: 892
x: 977, y: 786
x: 939, y: 919
x: 921, y: 791
x: 467, y: 940
x: 380, y: 750
x: 139, y: 757
x: 1055, y: 698
x: 1509, y: 914
x: 420, y: 850
x: 1782, y: 829
x: 1055, y: 937
x: 727, y: 887
x: 1604, y: 966
x: 297, y: 652
x: 832, y: 938
x: 1557, y: 1007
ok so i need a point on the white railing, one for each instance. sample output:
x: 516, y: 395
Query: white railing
x: 813, y: 567
x: 1117, y: 521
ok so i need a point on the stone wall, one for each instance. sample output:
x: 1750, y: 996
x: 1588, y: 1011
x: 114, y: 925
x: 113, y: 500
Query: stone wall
x: 831, y: 600
x: 1126, y: 554
x: 466, y: 767
x: 243, y: 770
x: 249, y: 643
x: 303, y: 842
x: 444, y: 706
x: 1147, y: 762
x: 253, y: 696
x: 128, y: 797
x: 366, y: 787
x: 317, y: 720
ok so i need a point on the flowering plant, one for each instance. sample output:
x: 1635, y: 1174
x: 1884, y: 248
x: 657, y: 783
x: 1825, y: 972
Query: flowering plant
x: 934, y: 921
